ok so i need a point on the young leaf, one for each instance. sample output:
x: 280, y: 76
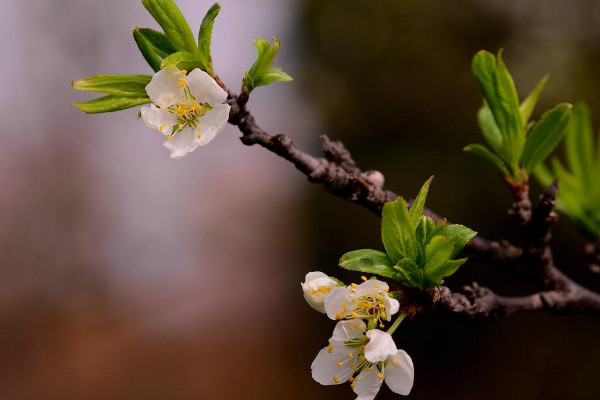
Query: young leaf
x: 501, y: 96
x: 489, y: 129
x: 110, y: 103
x: 409, y: 273
x: 482, y: 151
x: 437, y: 253
x: 579, y: 143
x: 545, y: 135
x: 153, y: 45
x: 262, y: 72
x: 397, y: 231
x: 176, y: 28
x: 121, y: 85
x: 205, y: 37
x: 460, y: 235
x: 528, y: 105
x: 182, y: 60
x: 370, y: 262
x: 417, y: 207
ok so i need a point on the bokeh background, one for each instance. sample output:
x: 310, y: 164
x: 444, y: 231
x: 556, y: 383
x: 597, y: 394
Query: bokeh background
x: 126, y: 275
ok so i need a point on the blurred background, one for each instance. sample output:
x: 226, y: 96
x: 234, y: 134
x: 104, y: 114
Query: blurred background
x: 126, y: 275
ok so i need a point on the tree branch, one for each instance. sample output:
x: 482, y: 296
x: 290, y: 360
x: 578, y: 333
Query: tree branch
x: 340, y: 175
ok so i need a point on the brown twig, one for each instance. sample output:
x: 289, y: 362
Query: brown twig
x: 340, y: 175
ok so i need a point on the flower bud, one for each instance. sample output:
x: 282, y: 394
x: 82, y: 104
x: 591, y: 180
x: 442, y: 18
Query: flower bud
x: 316, y: 287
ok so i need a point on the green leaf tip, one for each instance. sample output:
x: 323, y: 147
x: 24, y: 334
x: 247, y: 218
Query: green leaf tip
x: 205, y: 38
x: 262, y: 72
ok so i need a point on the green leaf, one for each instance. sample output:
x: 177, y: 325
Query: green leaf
x: 545, y: 135
x: 461, y: 235
x: 528, y: 105
x: 205, y: 37
x: 182, y: 60
x: 120, y: 85
x: 579, y: 144
x: 262, y: 72
x: 370, y: 262
x: 176, y: 28
x: 482, y: 151
x: 437, y: 253
x: 543, y: 174
x: 417, y: 207
x: 501, y: 96
x: 110, y: 103
x: 409, y: 273
x: 153, y: 45
x: 397, y: 231
x: 489, y: 129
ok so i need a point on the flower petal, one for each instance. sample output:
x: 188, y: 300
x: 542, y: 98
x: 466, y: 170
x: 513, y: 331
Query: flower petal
x: 325, y: 368
x: 380, y: 346
x: 182, y: 143
x: 367, y: 384
x: 391, y: 306
x: 371, y: 286
x: 335, y: 302
x: 350, y: 329
x: 155, y: 117
x: 204, y: 88
x: 164, y: 84
x: 213, y: 123
x: 400, y: 373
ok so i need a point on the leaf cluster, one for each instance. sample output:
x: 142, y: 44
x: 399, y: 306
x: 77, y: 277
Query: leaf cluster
x: 176, y: 46
x: 579, y: 194
x: 418, y: 252
x: 516, y: 144
x: 262, y: 72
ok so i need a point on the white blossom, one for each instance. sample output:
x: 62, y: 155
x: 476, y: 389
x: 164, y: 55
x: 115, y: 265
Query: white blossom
x: 316, y: 288
x: 369, y: 300
x: 188, y: 109
x: 365, y: 359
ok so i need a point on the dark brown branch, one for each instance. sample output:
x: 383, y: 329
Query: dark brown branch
x: 340, y: 175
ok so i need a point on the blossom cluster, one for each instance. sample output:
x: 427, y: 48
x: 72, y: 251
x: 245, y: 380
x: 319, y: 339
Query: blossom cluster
x: 358, y: 351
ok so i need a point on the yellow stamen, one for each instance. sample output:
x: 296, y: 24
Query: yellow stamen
x: 381, y: 326
x: 339, y: 364
x: 336, y: 379
x: 386, y: 290
x: 395, y: 361
x: 353, y: 285
x: 364, y: 278
x: 182, y: 82
x: 180, y: 126
x: 170, y: 137
x: 361, y: 327
x: 199, y: 136
x: 165, y: 99
x: 354, y: 314
x: 350, y: 355
x: 183, y: 71
x: 329, y: 349
x: 380, y: 375
x: 351, y: 326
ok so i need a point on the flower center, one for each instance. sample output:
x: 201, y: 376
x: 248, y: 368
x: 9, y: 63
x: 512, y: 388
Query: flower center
x: 188, y: 111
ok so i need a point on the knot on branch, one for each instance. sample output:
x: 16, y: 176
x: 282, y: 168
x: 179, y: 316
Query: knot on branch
x: 336, y: 152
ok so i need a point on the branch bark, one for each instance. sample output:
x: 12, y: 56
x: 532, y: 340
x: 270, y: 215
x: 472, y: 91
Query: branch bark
x: 340, y: 175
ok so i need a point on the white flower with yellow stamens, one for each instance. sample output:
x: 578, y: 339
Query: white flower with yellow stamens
x: 365, y: 359
x: 369, y: 300
x: 188, y: 109
x: 316, y: 288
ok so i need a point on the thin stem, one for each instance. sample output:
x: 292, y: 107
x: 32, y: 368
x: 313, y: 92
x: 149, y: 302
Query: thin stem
x: 396, y: 323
